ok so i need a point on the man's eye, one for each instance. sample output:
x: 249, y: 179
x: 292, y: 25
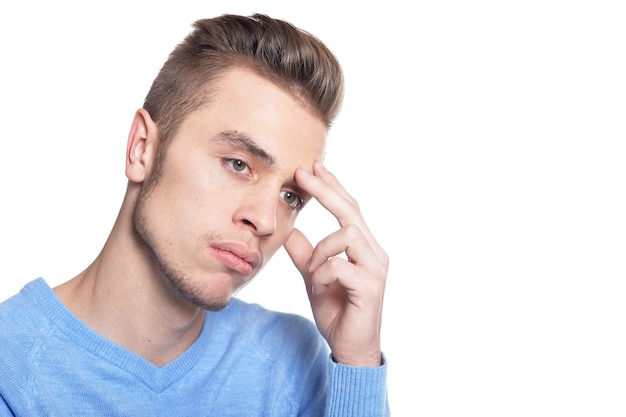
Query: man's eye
x: 237, y: 165
x: 292, y: 199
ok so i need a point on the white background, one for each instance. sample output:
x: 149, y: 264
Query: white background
x: 484, y: 140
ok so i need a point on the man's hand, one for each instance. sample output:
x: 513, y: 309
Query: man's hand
x: 346, y: 293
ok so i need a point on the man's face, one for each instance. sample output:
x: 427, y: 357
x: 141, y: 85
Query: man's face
x: 226, y: 199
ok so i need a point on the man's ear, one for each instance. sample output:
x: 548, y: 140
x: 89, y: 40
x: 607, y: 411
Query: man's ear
x: 142, y: 145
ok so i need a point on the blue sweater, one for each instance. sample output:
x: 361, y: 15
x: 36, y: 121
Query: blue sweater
x: 247, y: 361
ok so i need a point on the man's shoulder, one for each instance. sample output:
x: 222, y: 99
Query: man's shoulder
x: 247, y: 312
x: 274, y: 325
x: 289, y: 343
x: 22, y: 317
x: 21, y: 305
x: 24, y: 329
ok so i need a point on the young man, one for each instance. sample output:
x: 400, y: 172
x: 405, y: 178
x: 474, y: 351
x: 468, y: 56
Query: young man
x: 226, y: 151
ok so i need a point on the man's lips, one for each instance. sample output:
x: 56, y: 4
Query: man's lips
x: 236, y: 256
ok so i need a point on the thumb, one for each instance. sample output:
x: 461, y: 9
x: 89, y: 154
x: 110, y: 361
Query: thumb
x: 299, y: 250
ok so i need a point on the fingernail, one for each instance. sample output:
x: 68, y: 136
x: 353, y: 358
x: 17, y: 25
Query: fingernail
x: 306, y: 173
x: 320, y: 289
x: 320, y: 167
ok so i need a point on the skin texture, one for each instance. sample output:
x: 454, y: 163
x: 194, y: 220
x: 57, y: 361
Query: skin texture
x: 226, y: 200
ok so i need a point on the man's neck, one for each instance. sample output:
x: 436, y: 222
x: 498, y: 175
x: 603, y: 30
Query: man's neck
x: 123, y: 299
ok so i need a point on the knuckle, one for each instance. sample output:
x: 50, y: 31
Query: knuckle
x: 335, y: 264
x: 352, y: 232
x: 384, y: 259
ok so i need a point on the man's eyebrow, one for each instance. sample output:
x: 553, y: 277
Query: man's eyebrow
x: 242, y: 140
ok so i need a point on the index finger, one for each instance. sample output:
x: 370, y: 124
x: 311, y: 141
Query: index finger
x: 326, y: 189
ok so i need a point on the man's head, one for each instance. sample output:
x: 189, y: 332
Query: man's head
x: 238, y: 107
x: 288, y: 56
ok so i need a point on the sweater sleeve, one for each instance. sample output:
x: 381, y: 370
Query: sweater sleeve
x: 355, y: 391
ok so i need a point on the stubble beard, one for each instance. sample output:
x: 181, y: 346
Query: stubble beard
x: 179, y: 280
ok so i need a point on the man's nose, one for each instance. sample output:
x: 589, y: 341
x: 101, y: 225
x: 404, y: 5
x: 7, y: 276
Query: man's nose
x: 258, y: 211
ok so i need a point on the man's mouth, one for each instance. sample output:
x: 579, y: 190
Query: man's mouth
x: 236, y: 257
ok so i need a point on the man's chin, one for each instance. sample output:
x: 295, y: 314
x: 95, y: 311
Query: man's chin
x: 209, y: 302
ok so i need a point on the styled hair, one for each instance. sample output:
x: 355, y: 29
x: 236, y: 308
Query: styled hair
x: 277, y: 50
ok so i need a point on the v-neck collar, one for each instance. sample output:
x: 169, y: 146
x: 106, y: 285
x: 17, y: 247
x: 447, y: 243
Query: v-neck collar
x: 157, y: 378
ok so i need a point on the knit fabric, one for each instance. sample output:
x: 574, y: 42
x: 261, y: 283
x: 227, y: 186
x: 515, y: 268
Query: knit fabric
x: 247, y: 361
